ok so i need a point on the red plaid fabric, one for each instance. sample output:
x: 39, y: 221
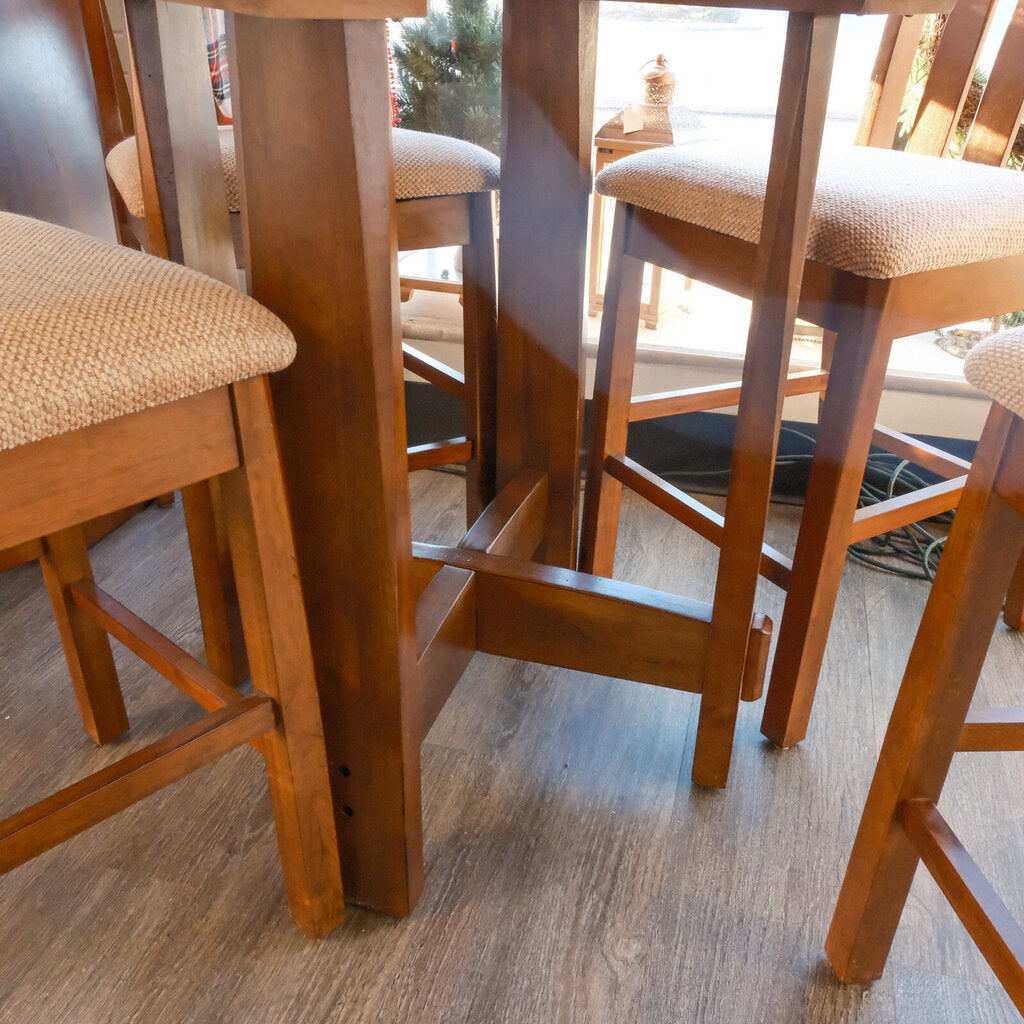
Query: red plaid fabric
x: 217, y: 55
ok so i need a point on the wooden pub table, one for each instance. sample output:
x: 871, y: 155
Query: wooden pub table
x: 394, y: 624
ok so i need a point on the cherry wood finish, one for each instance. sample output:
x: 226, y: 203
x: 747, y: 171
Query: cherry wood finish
x: 64, y: 560
x: 548, y: 59
x: 467, y: 221
x: 215, y: 581
x: 557, y: 821
x: 391, y: 632
x: 775, y: 274
x: 191, y: 226
x: 548, y: 73
x: 997, y: 123
x: 900, y: 825
x: 889, y: 76
x: 950, y: 78
x: 54, y: 484
x: 322, y: 255
x: 350, y: 488
x: 1013, y: 608
x: 862, y: 317
x: 65, y: 106
x: 889, y: 310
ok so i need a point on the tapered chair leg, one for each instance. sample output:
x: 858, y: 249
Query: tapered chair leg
x: 273, y: 612
x: 65, y: 560
x: 746, y: 513
x: 613, y: 386
x: 100, y: 448
x: 844, y: 436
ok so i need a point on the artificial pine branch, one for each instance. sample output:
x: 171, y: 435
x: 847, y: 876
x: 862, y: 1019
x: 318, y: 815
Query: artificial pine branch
x: 449, y: 72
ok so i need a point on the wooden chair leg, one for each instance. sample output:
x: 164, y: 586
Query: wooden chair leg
x: 609, y: 413
x: 65, y: 560
x: 746, y: 514
x: 844, y: 440
x: 282, y: 666
x: 1013, y: 609
x: 810, y: 44
x: 480, y: 347
x: 932, y: 705
x: 215, y: 583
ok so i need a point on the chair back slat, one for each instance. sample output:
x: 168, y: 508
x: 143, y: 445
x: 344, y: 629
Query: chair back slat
x: 183, y: 176
x: 1002, y: 104
x: 989, y: 110
x: 950, y: 77
x: 893, y: 65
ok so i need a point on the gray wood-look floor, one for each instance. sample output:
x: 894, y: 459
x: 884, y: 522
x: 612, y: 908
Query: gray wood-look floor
x: 573, y: 872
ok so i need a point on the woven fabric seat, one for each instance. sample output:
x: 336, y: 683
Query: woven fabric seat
x: 425, y: 165
x: 436, y: 165
x: 877, y: 213
x: 996, y: 366
x: 122, y: 333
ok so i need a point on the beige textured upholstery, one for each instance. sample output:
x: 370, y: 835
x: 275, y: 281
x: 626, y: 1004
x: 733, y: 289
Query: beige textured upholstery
x: 123, y: 168
x: 877, y: 213
x: 996, y: 366
x: 425, y: 165
x: 436, y: 165
x: 90, y: 331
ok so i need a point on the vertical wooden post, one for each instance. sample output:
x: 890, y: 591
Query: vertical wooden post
x: 319, y: 197
x: 895, y: 58
x: 548, y: 105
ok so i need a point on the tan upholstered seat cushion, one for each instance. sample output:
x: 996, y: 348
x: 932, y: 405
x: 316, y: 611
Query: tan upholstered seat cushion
x: 90, y: 331
x: 996, y: 366
x: 877, y: 213
x: 425, y: 165
x: 436, y: 165
x: 123, y: 168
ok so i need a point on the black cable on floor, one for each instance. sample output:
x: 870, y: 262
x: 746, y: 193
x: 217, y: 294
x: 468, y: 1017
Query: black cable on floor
x: 911, y: 551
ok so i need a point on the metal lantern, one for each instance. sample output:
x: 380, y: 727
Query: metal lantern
x: 659, y: 82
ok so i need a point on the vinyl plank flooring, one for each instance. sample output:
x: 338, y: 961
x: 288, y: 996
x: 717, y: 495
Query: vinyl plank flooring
x: 573, y: 873
x: 928, y: 998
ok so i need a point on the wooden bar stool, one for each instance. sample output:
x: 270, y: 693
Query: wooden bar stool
x: 932, y: 720
x: 899, y: 243
x: 444, y: 191
x: 125, y: 377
